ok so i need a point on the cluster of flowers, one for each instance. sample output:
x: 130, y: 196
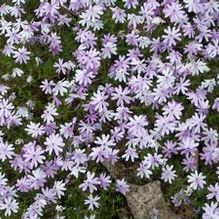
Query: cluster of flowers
x: 153, y: 50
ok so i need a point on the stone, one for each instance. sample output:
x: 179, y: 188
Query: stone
x: 147, y: 202
x: 144, y: 201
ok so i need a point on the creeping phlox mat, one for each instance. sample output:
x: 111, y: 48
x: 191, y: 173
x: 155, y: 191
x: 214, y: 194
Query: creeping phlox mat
x: 85, y: 83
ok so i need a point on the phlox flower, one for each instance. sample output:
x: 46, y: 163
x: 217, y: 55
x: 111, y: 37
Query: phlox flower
x: 90, y: 183
x: 37, y: 179
x: 49, y: 195
x: 216, y: 104
x: 108, y: 50
x: 122, y: 186
x: 99, y: 154
x: 173, y: 110
x: 130, y: 154
x: 170, y: 148
x: 33, y: 154
x: 104, y: 141
x: 35, y: 129
x: 59, y: 188
x: 49, y: 113
x: 196, y: 180
x: 61, y: 87
x: 175, y: 12
x: 188, y: 146
x: 119, y: 15
x: 168, y: 174
x: 99, y: 100
x: 213, y: 192
x: 9, y: 205
x: 61, y: 66
x: 105, y: 181
x: 144, y: 170
x: 91, y: 201
x: 21, y: 55
x: 136, y: 124
x: 193, y: 6
x: 130, y: 3
x: 54, y: 143
x: 172, y: 35
x: 211, y: 211
x: 91, y: 17
x: 6, y: 151
x: 103, y: 82
x: 153, y: 160
x: 84, y: 77
x: 47, y: 86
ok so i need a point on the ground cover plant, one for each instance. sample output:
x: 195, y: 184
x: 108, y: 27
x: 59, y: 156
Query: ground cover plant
x: 85, y: 82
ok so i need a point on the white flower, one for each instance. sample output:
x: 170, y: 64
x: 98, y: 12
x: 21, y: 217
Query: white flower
x: 196, y: 180
x: 54, y: 143
x: 59, y: 188
x: 144, y: 170
x: 61, y: 88
x: 23, y: 112
x: 49, y: 113
x: 17, y: 72
x: 9, y: 205
x: 92, y: 202
x: 6, y: 151
x: 198, y: 67
x: 211, y: 211
x: 35, y: 129
x: 168, y: 174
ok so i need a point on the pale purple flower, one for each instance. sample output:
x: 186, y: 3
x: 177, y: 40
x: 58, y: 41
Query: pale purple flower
x: 90, y: 183
x: 137, y: 124
x: 121, y: 96
x: 59, y: 188
x: 188, y: 146
x: 130, y: 154
x: 213, y: 192
x: 105, y: 181
x: 173, y: 110
x: 120, y: 84
x: 119, y: 15
x: 9, y: 205
x: 6, y: 151
x: 174, y: 12
x: 49, y: 113
x: 104, y: 141
x: 170, y: 148
x: 172, y: 36
x: 122, y: 186
x: 37, y: 179
x: 61, y: 87
x: 196, y: 180
x: 62, y: 67
x: 33, y: 154
x: 99, y: 100
x: 35, y: 129
x: 190, y: 163
x: 144, y: 170
x: 21, y: 55
x: 112, y: 155
x: 99, y: 154
x: 168, y: 174
x: 211, y: 211
x: 216, y: 104
x: 91, y: 201
x: 47, y: 86
x: 54, y: 143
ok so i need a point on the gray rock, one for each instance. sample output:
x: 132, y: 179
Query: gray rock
x: 147, y: 202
